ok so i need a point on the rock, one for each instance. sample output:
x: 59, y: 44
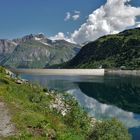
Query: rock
x: 24, y: 80
x: 9, y: 73
x: 60, y: 105
x: 19, y: 82
x: 47, y: 93
x: 51, y: 134
x: 93, y: 121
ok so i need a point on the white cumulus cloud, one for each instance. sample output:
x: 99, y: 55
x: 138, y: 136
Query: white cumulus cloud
x: 113, y: 17
x: 75, y: 17
x: 68, y: 16
x: 60, y: 36
x: 77, y: 12
x: 72, y: 16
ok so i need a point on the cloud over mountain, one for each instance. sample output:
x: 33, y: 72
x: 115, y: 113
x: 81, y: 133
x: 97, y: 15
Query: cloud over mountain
x: 113, y: 17
x: 59, y: 36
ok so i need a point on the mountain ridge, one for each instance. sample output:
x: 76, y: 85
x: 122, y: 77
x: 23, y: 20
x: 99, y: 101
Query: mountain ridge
x: 35, y: 51
x: 110, y: 51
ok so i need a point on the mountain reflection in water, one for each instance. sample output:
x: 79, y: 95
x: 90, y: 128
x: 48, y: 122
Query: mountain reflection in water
x: 123, y: 92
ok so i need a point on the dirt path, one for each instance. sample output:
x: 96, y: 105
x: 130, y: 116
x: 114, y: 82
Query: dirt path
x: 6, y: 128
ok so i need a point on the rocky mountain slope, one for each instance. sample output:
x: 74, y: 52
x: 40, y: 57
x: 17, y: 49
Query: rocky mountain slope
x: 112, y: 51
x: 35, y: 51
x: 6, y: 48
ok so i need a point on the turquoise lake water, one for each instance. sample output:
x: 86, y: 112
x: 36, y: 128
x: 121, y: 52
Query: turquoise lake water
x: 102, y: 96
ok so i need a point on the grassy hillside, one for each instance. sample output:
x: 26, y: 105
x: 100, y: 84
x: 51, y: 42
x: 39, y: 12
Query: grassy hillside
x: 38, y: 114
x: 33, y: 116
x: 111, y: 51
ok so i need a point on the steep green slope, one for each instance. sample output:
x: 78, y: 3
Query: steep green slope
x: 112, y: 51
x: 38, y: 114
x: 34, y: 54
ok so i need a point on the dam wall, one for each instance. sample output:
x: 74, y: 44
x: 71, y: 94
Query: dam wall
x: 95, y: 72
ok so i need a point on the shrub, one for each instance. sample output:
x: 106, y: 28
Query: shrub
x: 109, y: 130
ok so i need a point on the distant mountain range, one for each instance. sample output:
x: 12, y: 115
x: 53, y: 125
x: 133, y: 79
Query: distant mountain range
x: 35, y: 51
x: 112, y: 51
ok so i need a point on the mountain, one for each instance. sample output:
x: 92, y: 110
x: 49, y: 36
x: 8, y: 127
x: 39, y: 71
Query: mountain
x: 112, y: 51
x: 35, y: 51
x: 6, y: 48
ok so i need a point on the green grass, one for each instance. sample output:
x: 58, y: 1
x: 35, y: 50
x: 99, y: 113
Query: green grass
x: 33, y: 118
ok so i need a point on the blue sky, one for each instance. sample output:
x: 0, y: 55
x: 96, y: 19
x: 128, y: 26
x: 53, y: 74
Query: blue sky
x: 21, y: 17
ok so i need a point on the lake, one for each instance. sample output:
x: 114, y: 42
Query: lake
x: 102, y: 96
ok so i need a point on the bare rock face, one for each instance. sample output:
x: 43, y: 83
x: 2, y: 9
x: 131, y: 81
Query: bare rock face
x: 6, y: 127
x: 7, y: 46
x: 29, y: 37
